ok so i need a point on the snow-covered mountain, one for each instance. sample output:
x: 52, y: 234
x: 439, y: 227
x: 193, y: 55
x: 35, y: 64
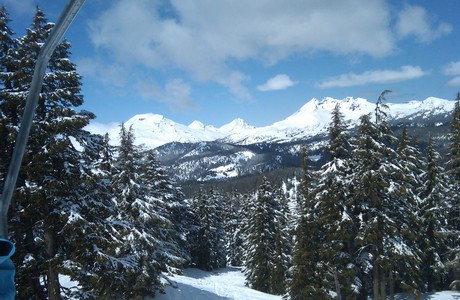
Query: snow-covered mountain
x: 153, y: 130
x: 199, y: 152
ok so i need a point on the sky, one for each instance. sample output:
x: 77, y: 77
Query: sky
x: 259, y: 60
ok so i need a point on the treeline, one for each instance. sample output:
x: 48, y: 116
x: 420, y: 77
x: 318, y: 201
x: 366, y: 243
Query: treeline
x: 378, y: 218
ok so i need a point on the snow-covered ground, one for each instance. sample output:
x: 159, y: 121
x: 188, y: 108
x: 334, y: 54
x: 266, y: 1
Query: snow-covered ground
x: 228, y: 283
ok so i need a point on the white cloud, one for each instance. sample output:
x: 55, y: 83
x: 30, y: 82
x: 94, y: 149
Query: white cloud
x: 20, y: 7
x: 452, y: 68
x: 376, y: 76
x: 101, y: 128
x: 207, y: 39
x: 279, y: 82
x: 414, y: 20
x: 176, y: 93
x: 454, y: 81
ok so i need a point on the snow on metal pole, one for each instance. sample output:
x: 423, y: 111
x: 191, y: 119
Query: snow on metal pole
x: 67, y: 15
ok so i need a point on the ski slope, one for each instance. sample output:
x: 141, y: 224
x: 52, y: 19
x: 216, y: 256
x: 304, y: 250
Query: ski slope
x: 228, y: 283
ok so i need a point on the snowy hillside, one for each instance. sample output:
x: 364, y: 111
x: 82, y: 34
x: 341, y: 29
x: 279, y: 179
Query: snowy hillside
x: 228, y: 283
x: 154, y: 130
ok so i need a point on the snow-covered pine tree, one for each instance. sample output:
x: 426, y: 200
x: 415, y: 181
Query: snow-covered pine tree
x: 432, y: 214
x: 207, y: 238
x: 408, y: 179
x: 304, y: 282
x: 138, y: 218
x: 172, y: 216
x: 335, y: 220
x: 90, y: 250
x: 453, y: 173
x: 234, y: 227
x: 50, y: 175
x: 410, y: 162
x: 6, y: 130
x: 283, y: 244
x: 385, y: 240
x: 339, y: 139
x: 260, y: 242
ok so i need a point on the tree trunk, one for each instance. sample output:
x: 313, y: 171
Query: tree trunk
x: 35, y: 276
x: 391, y: 283
x: 375, y: 283
x: 383, y: 285
x: 54, y: 288
x: 337, y: 286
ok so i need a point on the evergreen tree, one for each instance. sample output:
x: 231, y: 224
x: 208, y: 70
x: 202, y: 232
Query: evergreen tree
x: 171, y: 217
x: 261, y: 233
x: 137, y: 216
x: 234, y: 227
x: 91, y: 251
x: 384, y: 217
x: 433, y: 217
x: 334, y: 214
x: 6, y: 137
x: 304, y: 280
x: 453, y: 173
x: 336, y: 253
x: 207, y: 238
x: 50, y: 175
x: 283, y: 244
x: 339, y: 140
x: 410, y: 162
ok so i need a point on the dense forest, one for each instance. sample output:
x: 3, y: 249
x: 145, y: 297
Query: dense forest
x: 379, y: 217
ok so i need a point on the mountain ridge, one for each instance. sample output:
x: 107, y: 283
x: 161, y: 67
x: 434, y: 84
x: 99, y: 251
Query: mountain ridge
x: 154, y: 130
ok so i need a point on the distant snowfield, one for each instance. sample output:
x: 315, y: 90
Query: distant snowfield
x: 228, y: 283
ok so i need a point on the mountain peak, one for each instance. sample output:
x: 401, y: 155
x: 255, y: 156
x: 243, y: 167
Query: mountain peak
x: 196, y: 125
x: 236, y: 124
x: 311, y: 119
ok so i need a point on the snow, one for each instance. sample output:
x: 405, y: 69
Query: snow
x: 227, y: 283
x: 153, y: 130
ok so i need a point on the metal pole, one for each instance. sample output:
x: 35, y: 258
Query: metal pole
x: 67, y: 15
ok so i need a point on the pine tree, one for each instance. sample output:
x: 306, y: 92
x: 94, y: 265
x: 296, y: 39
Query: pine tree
x: 207, y: 239
x: 433, y: 217
x: 91, y: 250
x: 337, y: 229
x: 339, y: 139
x: 335, y: 215
x: 6, y: 137
x: 304, y: 280
x: 453, y: 173
x: 234, y: 227
x: 283, y: 244
x: 385, y: 218
x: 137, y: 216
x: 172, y: 218
x: 51, y: 172
x: 260, y: 243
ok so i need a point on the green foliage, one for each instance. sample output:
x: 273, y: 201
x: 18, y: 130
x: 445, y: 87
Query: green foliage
x: 207, y: 238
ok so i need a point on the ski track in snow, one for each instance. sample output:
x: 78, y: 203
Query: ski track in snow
x: 227, y: 283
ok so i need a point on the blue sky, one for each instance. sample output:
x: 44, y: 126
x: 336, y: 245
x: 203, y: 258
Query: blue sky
x: 215, y: 61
